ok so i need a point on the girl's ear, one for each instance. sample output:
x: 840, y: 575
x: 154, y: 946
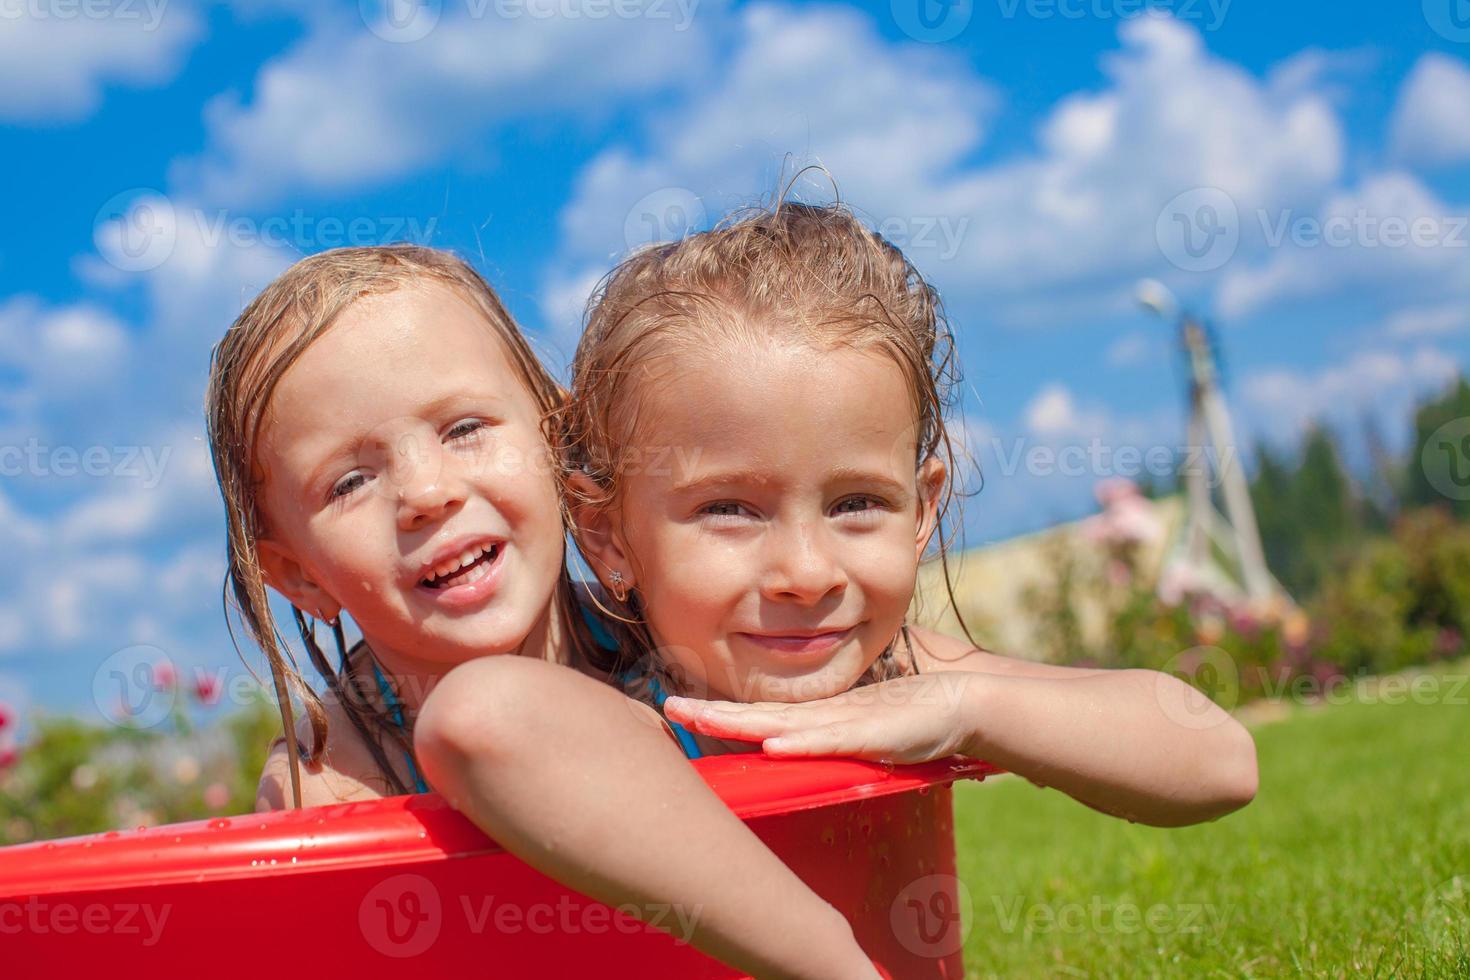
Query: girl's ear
x: 931, y: 491
x: 284, y: 573
x: 598, y: 534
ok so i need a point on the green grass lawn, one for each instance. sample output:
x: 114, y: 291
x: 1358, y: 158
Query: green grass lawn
x: 1352, y: 861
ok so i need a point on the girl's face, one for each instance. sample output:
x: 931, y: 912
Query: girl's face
x: 406, y: 480
x: 771, y: 519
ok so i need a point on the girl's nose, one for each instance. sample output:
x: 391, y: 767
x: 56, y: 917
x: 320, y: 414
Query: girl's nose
x: 802, y: 568
x: 421, y: 477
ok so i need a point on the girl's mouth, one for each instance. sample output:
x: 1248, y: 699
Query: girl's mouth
x: 808, y: 643
x: 466, y: 578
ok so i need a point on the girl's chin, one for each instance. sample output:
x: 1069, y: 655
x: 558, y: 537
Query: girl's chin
x: 456, y: 642
x: 828, y: 682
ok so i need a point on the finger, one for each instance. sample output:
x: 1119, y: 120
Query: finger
x: 834, y: 738
x: 751, y: 724
x: 692, y: 710
x: 685, y: 709
x: 747, y: 726
x: 688, y: 706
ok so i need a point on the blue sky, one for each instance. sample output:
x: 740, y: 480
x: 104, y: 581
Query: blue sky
x: 1036, y: 158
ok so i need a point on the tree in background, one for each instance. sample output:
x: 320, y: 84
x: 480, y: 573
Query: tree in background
x: 1308, y: 510
x: 1424, y: 471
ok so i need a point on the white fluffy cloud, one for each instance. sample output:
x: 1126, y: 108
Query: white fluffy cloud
x: 56, y: 59
x: 1385, y: 383
x: 63, y: 346
x: 1053, y: 412
x: 1431, y: 123
x: 102, y: 446
x: 1418, y: 322
x: 1388, y: 233
x: 1047, y: 235
x: 347, y: 108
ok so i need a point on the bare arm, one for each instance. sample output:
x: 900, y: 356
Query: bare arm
x: 583, y: 784
x: 1137, y: 744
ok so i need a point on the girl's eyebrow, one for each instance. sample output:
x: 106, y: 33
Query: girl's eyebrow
x: 867, y: 478
x: 723, y: 478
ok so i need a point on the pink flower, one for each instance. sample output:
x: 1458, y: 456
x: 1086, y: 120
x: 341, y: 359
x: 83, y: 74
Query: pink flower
x: 216, y: 796
x: 165, y: 677
x: 1446, y: 644
x: 1177, y: 581
x: 1243, y: 620
x: 8, y: 755
x: 1326, y: 673
x: 6, y: 718
x: 1126, y: 519
x: 1114, y: 490
x: 206, y: 688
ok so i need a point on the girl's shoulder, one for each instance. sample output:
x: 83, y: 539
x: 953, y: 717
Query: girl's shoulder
x: 345, y: 773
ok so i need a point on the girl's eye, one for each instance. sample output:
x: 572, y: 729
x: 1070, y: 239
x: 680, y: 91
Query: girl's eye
x: 465, y: 427
x: 856, y: 505
x: 347, y: 484
x: 723, y: 508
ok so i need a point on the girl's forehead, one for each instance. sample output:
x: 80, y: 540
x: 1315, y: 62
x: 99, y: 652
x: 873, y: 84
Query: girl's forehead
x: 391, y: 356
x: 821, y: 399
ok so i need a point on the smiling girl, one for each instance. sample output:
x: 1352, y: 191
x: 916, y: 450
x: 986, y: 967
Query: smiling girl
x: 797, y: 364
x: 376, y: 420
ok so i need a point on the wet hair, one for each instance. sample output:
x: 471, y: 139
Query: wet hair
x: 257, y: 350
x: 810, y: 274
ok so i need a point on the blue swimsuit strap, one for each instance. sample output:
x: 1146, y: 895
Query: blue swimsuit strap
x: 686, y: 738
x: 603, y: 638
x: 396, y: 710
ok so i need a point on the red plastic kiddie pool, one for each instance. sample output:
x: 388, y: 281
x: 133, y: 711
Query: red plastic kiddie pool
x: 365, y: 888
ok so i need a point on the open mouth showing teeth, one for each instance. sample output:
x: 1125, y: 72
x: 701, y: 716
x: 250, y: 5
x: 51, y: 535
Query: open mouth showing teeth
x: 469, y: 567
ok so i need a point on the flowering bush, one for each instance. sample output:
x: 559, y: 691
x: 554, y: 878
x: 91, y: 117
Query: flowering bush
x: 1403, y: 599
x: 1400, y: 600
x: 71, y: 777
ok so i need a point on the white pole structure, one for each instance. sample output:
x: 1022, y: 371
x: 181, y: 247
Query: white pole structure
x: 1209, y: 428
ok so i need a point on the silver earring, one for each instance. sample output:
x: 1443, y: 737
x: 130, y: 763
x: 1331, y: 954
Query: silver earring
x: 620, y: 591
